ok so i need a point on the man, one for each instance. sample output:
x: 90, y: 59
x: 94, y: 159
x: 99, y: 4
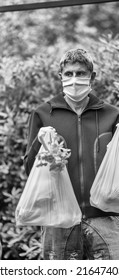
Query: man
x: 87, y: 125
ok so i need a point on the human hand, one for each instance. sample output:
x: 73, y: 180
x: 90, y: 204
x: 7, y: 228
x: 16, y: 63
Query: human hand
x: 43, y: 131
x: 54, y: 154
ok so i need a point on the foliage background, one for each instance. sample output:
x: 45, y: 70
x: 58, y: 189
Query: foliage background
x: 31, y: 45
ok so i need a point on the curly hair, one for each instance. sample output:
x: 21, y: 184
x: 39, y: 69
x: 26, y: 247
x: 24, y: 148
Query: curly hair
x: 77, y: 55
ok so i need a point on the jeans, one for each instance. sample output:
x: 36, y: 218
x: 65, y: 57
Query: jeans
x: 95, y: 238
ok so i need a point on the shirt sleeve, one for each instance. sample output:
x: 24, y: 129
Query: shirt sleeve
x: 33, y: 145
x: 114, y: 126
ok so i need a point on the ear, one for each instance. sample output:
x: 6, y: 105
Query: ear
x: 93, y: 75
x: 60, y: 75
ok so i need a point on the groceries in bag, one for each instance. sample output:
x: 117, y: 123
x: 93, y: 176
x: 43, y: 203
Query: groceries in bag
x: 48, y: 198
x: 104, y: 192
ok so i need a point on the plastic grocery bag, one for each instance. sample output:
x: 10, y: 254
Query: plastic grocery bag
x: 105, y: 189
x: 48, y: 198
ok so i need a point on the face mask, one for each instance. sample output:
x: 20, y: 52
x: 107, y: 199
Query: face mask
x: 76, y: 88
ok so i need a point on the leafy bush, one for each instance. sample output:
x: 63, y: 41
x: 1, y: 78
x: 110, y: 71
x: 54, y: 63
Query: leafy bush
x: 23, y: 86
x: 106, y: 62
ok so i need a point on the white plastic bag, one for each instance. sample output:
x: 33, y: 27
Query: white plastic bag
x: 48, y: 198
x: 105, y: 189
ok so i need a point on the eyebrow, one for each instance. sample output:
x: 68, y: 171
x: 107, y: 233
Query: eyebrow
x: 71, y: 71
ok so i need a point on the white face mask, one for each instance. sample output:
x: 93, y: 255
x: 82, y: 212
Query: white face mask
x: 76, y: 88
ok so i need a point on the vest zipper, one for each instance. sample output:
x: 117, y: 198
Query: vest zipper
x: 80, y: 154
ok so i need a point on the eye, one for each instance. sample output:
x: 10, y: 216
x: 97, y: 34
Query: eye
x: 80, y: 73
x: 68, y: 74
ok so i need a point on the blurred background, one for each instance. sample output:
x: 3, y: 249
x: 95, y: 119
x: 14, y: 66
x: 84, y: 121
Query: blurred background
x: 31, y: 45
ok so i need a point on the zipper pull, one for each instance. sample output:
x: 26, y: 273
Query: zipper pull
x: 79, y: 119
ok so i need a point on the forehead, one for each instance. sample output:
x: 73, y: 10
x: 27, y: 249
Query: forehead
x: 75, y: 67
